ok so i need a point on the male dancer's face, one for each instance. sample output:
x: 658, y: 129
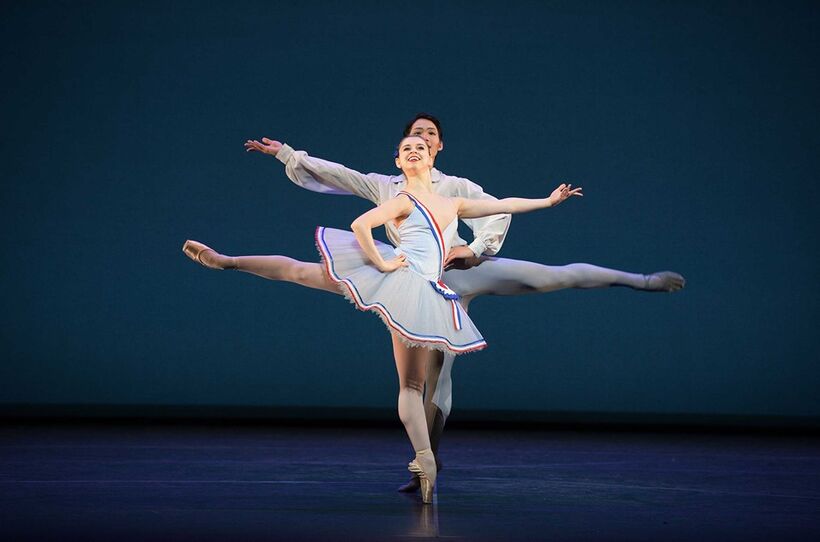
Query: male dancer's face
x: 428, y: 131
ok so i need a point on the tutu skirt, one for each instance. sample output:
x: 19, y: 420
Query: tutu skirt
x: 407, y: 302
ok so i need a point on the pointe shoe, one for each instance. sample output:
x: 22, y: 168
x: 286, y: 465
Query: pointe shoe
x: 427, y: 480
x: 195, y: 249
x: 413, y: 484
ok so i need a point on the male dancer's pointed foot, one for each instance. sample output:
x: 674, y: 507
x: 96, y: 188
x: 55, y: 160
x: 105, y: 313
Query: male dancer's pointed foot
x: 424, y: 467
x: 206, y: 256
x: 664, y: 281
x: 413, y: 484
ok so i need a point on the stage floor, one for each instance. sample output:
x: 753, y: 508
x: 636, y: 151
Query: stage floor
x: 224, y: 482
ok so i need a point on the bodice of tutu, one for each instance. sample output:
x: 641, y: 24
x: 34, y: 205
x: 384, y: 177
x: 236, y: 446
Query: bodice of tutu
x: 424, y: 243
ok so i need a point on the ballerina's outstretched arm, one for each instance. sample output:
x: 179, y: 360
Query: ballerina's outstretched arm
x: 469, y: 208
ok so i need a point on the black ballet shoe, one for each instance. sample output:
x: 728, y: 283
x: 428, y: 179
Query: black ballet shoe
x: 411, y: 486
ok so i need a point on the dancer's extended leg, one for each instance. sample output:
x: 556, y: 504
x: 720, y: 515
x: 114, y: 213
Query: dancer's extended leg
x: 411, y: 365
x: 309, y: 274
x: 503, y: 276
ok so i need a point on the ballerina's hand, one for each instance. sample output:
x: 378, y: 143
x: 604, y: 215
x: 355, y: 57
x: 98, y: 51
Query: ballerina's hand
x: 391, y: 265
x: 266, y: 146
x: 563, y: 192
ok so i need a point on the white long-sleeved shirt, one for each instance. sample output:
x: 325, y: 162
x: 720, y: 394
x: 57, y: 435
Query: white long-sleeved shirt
x: 330, y: 178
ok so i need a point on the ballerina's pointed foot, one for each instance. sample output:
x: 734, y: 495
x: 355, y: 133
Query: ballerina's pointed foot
x: 205, y: 255
x: 424, y: 467
x: 413, y: 484
x: 664, y: 281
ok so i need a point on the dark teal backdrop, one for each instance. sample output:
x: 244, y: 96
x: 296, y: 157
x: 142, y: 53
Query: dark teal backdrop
x: 692, y: 127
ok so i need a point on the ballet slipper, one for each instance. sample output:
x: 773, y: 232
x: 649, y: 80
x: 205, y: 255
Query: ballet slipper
x: 195, y: 250
x: 412, y: 485
x: 663, y: 281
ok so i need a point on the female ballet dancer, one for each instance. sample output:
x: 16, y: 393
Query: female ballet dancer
x: 403, y: 285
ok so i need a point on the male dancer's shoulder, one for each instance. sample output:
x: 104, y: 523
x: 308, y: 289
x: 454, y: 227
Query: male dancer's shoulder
x: 452, y: 186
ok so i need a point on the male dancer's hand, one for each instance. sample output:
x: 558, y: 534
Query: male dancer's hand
x: 266, y: 146
x: 460, y: 257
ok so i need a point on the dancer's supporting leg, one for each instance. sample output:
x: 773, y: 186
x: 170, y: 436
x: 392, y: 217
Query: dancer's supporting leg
x: 308, y: 274
x: 411, y: 365
x: 438, y: 396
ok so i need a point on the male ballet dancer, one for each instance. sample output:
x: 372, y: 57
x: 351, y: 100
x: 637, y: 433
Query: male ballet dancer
x: 471, y: 271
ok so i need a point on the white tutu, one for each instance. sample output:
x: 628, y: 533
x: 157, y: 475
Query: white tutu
x: 407, y: 302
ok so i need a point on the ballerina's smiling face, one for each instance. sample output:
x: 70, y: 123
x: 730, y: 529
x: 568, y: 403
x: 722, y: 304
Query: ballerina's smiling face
x: 414, y: 154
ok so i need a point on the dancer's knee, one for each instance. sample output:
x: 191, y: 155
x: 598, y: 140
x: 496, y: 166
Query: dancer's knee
x: 567, y: 276
x: 299, y: 272
x: 585, y: 275
x: 571, y: 276
x: 413, y: 385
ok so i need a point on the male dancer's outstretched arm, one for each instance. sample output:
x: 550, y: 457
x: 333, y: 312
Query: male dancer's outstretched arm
x: 319, y: 175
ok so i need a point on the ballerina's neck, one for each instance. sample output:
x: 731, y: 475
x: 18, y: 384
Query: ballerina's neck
x: 420, y: 182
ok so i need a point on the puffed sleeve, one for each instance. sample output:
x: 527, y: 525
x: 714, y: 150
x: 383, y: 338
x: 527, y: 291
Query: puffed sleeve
x: 327, y: 177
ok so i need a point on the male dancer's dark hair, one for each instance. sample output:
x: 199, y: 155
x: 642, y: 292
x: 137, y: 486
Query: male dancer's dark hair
x: 425, y: 116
